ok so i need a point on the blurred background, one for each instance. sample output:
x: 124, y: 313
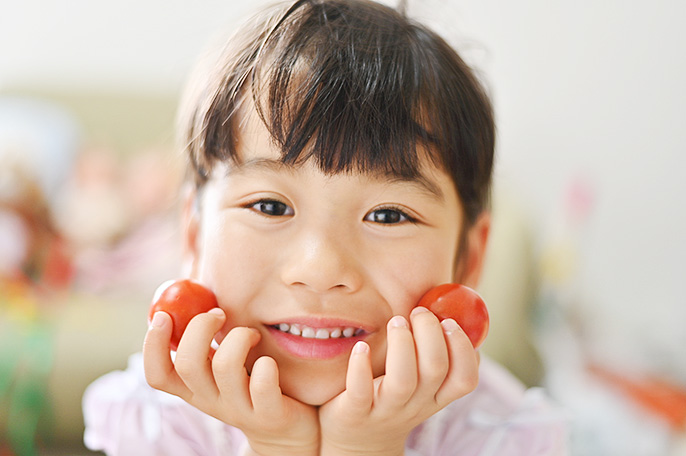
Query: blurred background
x: 585, y: 271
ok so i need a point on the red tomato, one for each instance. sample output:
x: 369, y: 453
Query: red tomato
x: 182, y: 299
x: 462, y: 304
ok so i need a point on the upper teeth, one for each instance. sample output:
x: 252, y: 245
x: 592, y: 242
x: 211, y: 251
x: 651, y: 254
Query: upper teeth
x: 318, y: 333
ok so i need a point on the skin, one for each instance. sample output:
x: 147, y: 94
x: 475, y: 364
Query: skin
x: 279, y: 244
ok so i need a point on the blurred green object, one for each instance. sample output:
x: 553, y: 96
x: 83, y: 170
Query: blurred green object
x: 26, y: 357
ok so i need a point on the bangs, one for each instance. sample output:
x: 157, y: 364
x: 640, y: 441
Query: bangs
x: 344, y: 90
x: 352, y: 85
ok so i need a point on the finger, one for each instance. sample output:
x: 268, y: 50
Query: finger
x: 432, y: 350
x: 192, y: 357
x: 359, y: 380
x: 265, y: 393
x: 228, y: 365
x: 157, y: 363
x: 463, y: 371
x: 400, y: 380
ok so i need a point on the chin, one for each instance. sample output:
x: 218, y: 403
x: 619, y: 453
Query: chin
x: 315, y: 391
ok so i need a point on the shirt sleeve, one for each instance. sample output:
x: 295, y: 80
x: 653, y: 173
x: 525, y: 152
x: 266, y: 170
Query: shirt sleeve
x: 500, y: 418
x: 125, y: 416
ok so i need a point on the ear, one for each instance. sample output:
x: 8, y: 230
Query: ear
x: 472, y: 257
x: 190, y: 223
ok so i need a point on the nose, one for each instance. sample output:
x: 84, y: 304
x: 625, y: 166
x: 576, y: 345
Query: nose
x: 321, y: 261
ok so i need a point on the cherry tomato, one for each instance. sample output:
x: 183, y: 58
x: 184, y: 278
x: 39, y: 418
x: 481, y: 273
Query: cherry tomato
x: 461, y: 303
x: 182, y: 299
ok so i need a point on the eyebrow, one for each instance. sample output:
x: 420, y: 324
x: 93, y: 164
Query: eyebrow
x: 420, y: 182
x: 423, y: 185
x: 268, y: 164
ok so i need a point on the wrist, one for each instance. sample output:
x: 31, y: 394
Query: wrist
x: 257, y: 448
x: 329, y: 448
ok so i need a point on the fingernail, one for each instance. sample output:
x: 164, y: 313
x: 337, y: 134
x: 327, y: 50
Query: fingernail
x: 449, y: 325
x: 398, y: 322
x: 158, y: 320
x: 418, y: 310
x: 360, y: 347
x: 216, y: 311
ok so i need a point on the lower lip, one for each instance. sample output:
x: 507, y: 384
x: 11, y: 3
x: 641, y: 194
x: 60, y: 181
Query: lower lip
x: 313, y: 348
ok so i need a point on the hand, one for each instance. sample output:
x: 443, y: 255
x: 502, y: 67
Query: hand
x: 220, y: 385
x: 427, y: 368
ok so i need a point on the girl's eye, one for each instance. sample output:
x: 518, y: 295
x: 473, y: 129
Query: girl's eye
x: 272, y: 208
x: 388, y: 216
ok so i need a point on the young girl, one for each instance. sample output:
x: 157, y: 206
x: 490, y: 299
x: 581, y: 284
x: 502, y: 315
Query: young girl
x: 342, y: 159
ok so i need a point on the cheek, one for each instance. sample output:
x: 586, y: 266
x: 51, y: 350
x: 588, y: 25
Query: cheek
x: 234, y: 265
x: 407, y: 276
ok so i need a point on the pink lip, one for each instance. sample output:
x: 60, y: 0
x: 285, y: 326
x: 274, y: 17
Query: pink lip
x: 312, y: 348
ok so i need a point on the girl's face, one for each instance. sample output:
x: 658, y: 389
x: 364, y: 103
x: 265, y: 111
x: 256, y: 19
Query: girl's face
x: 316, y: 262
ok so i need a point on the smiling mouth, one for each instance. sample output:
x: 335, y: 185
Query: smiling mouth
x: 308, y: 332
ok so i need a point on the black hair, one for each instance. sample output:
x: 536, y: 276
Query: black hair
x: 353, y: 85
